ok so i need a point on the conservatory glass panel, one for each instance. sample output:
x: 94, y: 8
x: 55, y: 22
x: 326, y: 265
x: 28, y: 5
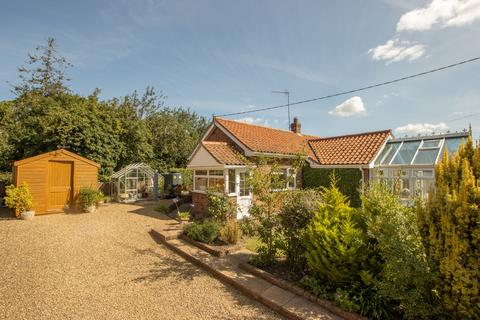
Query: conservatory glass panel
x: 406, y: 153
x: 131, y: 184
x: 431, y: 143
x: 387, y: 153
x: 427, y: 156
x: 201, y: 172
x: 453, y: 144
x: 215, y: 173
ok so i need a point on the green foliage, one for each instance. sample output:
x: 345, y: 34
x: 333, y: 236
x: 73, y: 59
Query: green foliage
x: 450, y: 227
x: 297, y: 212
x: 18, y: 198
x: 247, y: 225
x: 46, y: 116
x: 87, y: 197
x: 44, y: 73
x: 206, y: 231
x: 220, y: 208
x: 175, y: 133
x: 231, y: 232
x: 264, y: 178
x: 402, y: 274
x: 349, y: 181
x: 184, y: 215
x: 336, y: 248
x: 252, y: 244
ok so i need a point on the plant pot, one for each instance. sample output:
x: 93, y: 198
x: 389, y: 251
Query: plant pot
x: 27, y: 215
x: 90, y: 209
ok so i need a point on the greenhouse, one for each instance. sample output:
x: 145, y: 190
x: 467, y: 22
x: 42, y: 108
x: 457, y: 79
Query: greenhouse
x: 133, y: 182
x: 408, y: 164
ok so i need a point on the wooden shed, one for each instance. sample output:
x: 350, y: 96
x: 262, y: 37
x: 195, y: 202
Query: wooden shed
x: 55, y: 178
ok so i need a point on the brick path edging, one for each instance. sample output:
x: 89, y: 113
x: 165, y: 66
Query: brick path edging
x: 330, y: 306
x: 213, y: 251
x: 220, y: 276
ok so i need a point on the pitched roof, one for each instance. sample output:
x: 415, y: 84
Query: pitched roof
x: 265, y: 139
x: 54, y: 154
x: 223, y: 153
x: 349, y: 149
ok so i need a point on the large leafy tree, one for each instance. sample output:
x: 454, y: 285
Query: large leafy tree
x: 175, y: 132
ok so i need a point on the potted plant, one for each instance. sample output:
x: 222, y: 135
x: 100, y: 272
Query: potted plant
x: 20, y: 199
x: 87, y: 198
x: 184, y: 215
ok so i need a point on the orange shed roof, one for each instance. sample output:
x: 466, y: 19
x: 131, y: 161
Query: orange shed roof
x: 349, y: 149
x: 56, y: 152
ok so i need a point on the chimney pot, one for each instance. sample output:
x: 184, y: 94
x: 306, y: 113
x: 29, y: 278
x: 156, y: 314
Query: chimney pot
x: 295, y: 126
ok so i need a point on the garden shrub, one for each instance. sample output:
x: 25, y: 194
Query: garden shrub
x: 450, y: 227
x: 349, y: 181
x: 231, y: 232
x: 335, y: 245
x: 247, y: 225
x: 264, y: 178
x: 87, y: 197
x: 297, y: 212
x: 220, y: 208
x: 18, y: 198
x: 402, y: 277
x: 206, y: 231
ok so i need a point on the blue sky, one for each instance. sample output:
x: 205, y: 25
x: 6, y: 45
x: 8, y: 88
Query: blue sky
x: 226, y: 56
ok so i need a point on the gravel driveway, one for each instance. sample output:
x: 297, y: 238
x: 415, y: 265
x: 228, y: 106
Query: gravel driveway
x: 104, y: 265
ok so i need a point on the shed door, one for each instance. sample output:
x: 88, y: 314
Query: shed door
x: 60, y: 176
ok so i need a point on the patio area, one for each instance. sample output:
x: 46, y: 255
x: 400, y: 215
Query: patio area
x: 106, y: 265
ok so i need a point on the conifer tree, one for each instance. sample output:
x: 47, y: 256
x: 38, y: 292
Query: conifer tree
x: 334, y: 240
x: 450, y: 227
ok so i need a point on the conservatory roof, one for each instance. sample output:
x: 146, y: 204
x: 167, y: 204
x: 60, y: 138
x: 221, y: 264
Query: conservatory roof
x: 140, y: 166
x: 421, y: 150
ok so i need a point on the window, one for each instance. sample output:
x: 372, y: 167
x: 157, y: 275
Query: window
x: 209, y: 180
x: 244, y: 187
x: 231, y: 181
x: 287, y: 179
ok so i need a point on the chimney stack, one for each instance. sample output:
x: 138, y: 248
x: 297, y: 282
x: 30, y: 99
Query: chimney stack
x: 295, y: 126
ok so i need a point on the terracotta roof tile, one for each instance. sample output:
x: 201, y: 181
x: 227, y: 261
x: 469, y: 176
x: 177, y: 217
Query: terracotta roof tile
x: 223, y: 153
x: 350, y: 149
x: 268, y: 140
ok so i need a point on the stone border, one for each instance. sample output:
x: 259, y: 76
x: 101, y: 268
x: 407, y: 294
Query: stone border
x: 222, y: 277
x: 286, y: 285
x: 211, y: 249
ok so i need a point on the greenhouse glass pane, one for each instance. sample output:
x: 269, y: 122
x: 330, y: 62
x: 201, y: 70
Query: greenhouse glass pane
x: 387, y: 153
x: 431, y: 143
x: 427, y: 156
x: 453, y: 144
x: 406, y: 153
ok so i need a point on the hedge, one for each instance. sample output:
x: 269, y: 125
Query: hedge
x: 349, y: 181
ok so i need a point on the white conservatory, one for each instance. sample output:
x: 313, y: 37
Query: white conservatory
x: 408, y: 164
x: 132, y: 183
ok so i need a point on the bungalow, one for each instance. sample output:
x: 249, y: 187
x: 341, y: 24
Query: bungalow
x: 218, y: 161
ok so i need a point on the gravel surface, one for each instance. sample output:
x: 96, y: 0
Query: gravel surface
x: 104, y: 265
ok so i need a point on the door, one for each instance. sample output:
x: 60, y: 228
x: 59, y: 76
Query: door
x: 244, y: 198
x: 60, y: 177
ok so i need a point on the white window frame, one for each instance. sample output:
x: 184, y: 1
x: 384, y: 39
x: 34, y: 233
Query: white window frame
x: 208, y: 176
x: 291, y: 173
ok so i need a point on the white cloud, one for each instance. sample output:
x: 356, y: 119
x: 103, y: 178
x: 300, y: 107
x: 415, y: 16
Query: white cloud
x: 252, y: 120
x: 351, y: 107
x: 421, y: 128
x: 395, y: 50
x: 446, y: 13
